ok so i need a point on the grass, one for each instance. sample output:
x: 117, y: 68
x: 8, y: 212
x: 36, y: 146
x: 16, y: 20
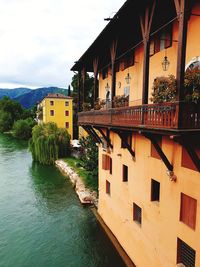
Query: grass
x: 90, y: 181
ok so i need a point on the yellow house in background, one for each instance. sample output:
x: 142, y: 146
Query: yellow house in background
x: 57, y: 108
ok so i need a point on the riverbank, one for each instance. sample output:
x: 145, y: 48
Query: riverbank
x: 85, y: 194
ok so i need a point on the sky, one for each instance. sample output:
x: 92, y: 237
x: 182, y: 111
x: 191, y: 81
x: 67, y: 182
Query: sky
x: 41, y: 39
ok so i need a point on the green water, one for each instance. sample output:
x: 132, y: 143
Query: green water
x: 42, y: 223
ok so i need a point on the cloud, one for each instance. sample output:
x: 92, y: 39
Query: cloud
x: 41, y: 39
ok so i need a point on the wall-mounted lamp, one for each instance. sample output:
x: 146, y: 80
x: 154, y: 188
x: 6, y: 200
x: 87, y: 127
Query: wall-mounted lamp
x: 165, y: 63
x: 128, y: 78
x: 107, y: 87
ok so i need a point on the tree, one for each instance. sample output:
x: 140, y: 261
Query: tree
x: 10, y: 112
x: 89, y: 155
x: 48, y: 143
x: 6, y: 121
x: 22, y: 129
x: 89, y: 85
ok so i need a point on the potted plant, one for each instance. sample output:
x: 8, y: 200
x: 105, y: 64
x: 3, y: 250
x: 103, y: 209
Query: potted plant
x: 120, y: 101
x: 192, y: 85
x: 86, y: 106
x: 164, y: 89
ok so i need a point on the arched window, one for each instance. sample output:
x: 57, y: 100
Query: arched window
x: 194, y: 63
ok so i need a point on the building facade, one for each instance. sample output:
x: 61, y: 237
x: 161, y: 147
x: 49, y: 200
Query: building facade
x: 57, y: 108
x: 149, y: 151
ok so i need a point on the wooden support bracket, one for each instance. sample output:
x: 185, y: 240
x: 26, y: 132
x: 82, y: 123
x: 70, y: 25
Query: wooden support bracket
x: 159, y: 151
x: 125, y: 143
x: 106, y: 137
x: 92, y: 133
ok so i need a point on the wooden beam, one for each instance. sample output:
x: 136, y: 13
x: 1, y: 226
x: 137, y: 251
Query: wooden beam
x: 95, y: 68
x: 113, y: 51
x: 145, y: 85
x: 79, y: 91
x: 106, y: 137
x: 83, y: 74
x: 151, y: 18
x: 159, y: 151
x: 177, y: 5
x: 146, y: 23
x: 182, y: 43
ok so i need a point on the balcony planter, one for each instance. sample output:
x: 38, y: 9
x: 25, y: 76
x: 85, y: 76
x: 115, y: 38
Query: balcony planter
x: 121, y: 101
x: 192, y: 85
x: 99, y: 104
x: 86, y: 106
x: 164, y: 89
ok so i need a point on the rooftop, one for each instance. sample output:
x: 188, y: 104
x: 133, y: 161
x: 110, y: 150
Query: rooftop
x: 58, y: 96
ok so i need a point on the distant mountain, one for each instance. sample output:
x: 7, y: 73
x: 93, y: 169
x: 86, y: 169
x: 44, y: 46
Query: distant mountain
x: 31, y: 98
x: 13, y: 93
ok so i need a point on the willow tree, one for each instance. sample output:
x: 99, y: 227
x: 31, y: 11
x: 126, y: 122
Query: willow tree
x: 49, y: 143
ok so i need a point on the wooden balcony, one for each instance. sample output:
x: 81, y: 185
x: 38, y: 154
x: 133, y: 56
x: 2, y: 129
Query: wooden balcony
x: 167, y: 116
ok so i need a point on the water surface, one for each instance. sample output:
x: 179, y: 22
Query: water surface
x: 42, y: 223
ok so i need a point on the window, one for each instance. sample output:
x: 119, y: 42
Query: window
x: 128, y: 138
x: 107, y: 187
x: 154, y: 152
x: 51, y: 112
x: 194, y: 63
x: 125, y: 173
x: 155, y: 190
x: 51, y: 103
x: 137, y: 213
x: 66, y: 113
x: 185, y: 254
x: 66, y: 103
x: 66, y: 124
x: 187, y: 161
x: 188, y: 210
x: 106, y: 163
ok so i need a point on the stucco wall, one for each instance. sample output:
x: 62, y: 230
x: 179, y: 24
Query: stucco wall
x: 154, y: 243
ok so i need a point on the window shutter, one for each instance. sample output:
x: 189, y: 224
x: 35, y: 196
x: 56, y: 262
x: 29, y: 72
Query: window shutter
x: 185, y: 254
x: 168, y: 37
x: 157, y: 44
x: 188, y: 210
x: 110, y: 165
x: 103, y: 162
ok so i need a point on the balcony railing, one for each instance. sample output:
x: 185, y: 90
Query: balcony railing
x: 161, y: 116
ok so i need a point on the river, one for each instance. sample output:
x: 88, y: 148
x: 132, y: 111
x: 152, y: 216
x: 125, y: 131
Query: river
x: 42, y: 223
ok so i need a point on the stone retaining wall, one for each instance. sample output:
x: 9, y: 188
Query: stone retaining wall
x: 85, y: 195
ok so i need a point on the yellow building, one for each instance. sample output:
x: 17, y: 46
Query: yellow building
x: 57, y: 108
x: 149, y: 159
